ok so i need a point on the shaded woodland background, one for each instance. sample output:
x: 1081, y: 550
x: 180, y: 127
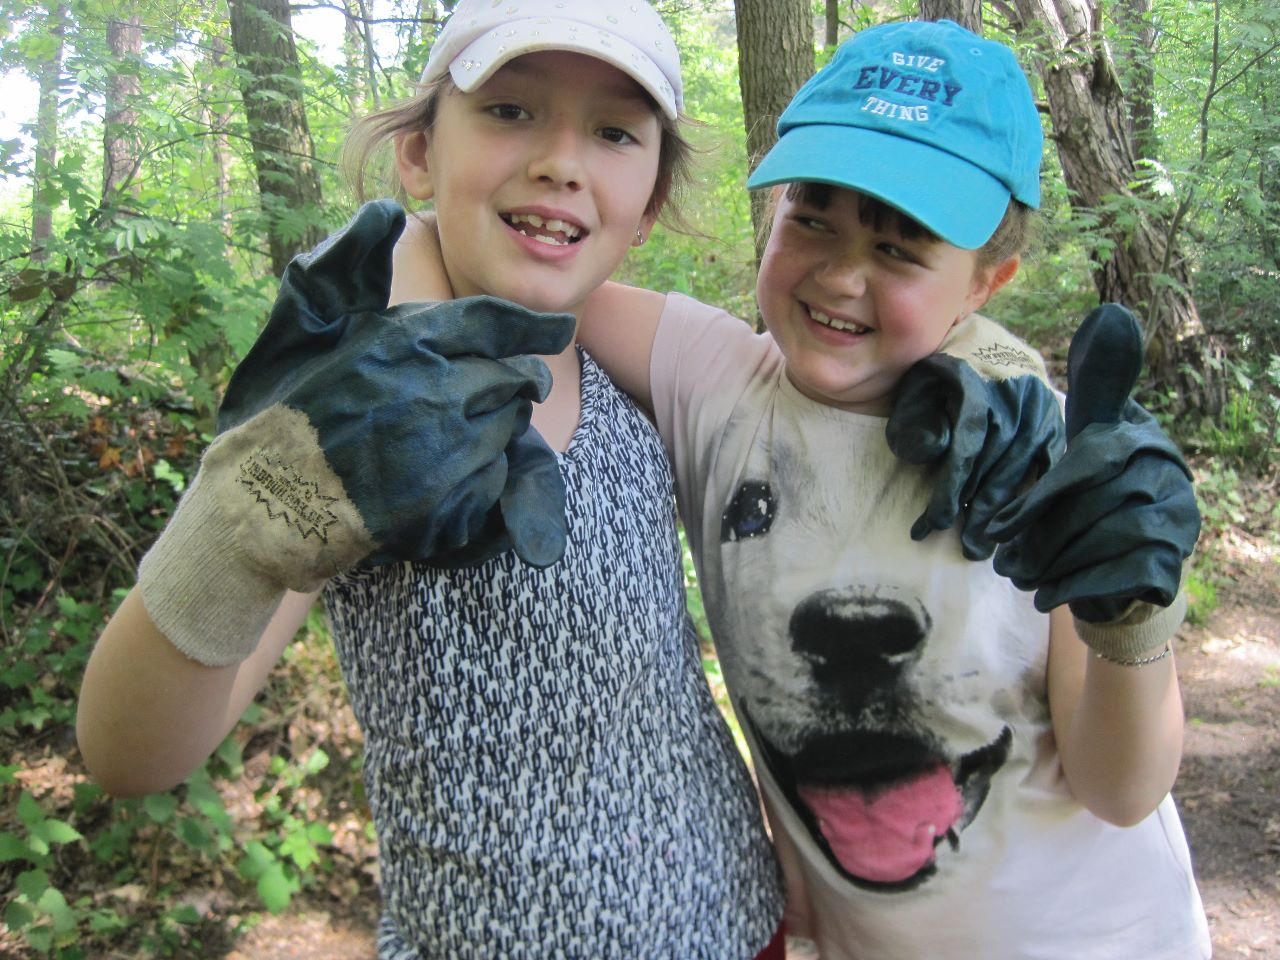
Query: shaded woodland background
x: 182, y: 152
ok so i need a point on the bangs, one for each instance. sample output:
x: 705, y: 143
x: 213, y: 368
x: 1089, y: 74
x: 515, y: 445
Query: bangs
x: 873, y: 213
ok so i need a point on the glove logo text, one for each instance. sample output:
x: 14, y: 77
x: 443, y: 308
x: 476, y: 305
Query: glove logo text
x: 1005, y: 355
x: 287, y: 495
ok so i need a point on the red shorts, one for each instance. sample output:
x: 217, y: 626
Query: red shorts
x: 775, y: 949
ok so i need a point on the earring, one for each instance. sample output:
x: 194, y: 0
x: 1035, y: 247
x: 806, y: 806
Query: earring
x: 639, y: 240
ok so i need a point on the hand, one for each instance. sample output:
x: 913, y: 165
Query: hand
x: 1111, y: 523
x: 988, y: 421
x: 354, y: 431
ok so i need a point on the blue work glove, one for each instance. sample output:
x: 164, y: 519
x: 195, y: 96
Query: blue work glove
x: 982, y: 412
x: 352, y: 431
x: 1107, y: 528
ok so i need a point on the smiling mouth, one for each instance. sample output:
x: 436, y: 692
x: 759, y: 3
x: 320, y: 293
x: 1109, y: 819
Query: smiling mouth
x: 835, y: 323
x: 554, y: 233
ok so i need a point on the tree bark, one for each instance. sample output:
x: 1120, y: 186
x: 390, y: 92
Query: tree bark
x: 1145, y: 269
x: 283, y: 153
x: 121, y: 144
x: 832, y: 38
x: 775, y: 57
x: 44, y: 194
x: 967, y: 13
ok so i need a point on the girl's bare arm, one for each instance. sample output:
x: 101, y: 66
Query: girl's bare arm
x: 1119, y: 728
x: 148, y: 715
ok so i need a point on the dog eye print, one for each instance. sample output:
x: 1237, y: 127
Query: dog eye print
x: 749, y: 513
x: 832, y: 691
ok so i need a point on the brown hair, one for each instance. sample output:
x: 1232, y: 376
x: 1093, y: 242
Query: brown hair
x: 1010, y: 239
x: 371, y: 133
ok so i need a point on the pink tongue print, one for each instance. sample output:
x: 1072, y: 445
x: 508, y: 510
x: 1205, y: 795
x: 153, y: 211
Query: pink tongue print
x: 887, y: 836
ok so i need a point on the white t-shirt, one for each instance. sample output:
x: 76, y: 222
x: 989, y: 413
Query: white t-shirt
x: 893, y: 692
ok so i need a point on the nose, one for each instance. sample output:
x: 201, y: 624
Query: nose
x: 557, y: 157
x: 857, y: 639
x: 844, y: 274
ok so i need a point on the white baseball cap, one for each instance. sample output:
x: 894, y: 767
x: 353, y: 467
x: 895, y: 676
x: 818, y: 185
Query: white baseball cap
x: 482, y: 35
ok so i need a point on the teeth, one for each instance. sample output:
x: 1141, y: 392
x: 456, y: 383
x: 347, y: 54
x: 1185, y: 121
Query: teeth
x: 836, y: 324
x: 554, y: 226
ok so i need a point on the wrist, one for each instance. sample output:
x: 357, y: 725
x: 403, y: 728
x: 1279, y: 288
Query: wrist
x: 1136, y: 635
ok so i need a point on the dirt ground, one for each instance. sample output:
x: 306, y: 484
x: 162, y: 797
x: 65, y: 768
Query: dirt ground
x: 1229, y: 785
x: 1228, y: 789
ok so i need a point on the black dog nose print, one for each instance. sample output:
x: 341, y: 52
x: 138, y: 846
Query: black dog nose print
x: 749, y: 513
x: 855, y: 640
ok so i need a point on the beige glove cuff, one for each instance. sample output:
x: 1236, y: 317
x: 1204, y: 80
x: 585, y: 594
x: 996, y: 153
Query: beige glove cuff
x: 1141, y: 628
x: 265, y: 513
x: 199, y: 591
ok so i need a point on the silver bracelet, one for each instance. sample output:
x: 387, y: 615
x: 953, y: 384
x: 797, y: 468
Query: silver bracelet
x: 1137, y: 661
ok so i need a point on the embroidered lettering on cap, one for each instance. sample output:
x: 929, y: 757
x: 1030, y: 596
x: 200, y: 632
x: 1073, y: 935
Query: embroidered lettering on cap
x: 918, y: 113
x: 911, y: 84
x: 918, y: 60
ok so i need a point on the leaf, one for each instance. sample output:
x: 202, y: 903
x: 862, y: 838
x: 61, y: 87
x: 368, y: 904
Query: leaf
x: 275, y: 888
x: 29, y: 811
x: 12, y: 847
x: 55, y: 905
x: 18, y: 915
x: 56, y: 831
x: 32, y: 884
x: 160, y: 807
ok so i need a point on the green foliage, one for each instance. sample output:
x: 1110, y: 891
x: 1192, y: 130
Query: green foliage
x: 117, y: 339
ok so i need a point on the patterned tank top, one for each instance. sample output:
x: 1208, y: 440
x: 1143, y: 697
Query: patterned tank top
x: 548, y: 773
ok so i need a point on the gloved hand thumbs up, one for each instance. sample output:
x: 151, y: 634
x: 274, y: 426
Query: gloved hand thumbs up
x: 1103, y: 363
x: 1111, y: 523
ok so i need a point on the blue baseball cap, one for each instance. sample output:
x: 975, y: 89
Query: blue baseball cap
x: 926, y: 116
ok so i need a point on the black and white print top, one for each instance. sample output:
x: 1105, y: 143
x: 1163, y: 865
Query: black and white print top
x: 548, y: 773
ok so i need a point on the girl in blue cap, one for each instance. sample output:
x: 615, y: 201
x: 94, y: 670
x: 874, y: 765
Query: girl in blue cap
x: 548, y: 773
x: 952, y: 767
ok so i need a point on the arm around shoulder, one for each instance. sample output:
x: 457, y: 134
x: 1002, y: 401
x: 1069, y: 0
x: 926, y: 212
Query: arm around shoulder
x: 618, y: 327
x: 149, y: 715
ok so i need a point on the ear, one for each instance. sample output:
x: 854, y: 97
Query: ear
x: 411, y: 164
x: 987, y: 281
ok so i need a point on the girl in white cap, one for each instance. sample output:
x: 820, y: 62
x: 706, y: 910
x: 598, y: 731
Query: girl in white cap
x: 548, y: 773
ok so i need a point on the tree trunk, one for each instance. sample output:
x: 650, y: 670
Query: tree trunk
x: 44, y: 193
x: 1136, y: 67
x: 219, y: 120
x: 967, y: 13
x: 832, y: 38
x: 1145, y: 270
x: 775, y: 57
x: 283, y: 153
x: 121, y: 144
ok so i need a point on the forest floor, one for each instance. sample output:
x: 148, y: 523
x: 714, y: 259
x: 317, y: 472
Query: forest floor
x: 1228, y: 790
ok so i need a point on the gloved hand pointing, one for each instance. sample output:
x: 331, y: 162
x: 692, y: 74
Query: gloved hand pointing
x: 354, y: 431
x: 1107, y: 528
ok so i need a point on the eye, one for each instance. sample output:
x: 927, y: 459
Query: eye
x: 808, y: 222
x: 896, y: 252
x: 749, y: 514
x: 508, y: 111
x: 616, y: 135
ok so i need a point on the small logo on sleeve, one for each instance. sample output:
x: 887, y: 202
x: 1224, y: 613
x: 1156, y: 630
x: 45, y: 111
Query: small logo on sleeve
x: 1004, y: 355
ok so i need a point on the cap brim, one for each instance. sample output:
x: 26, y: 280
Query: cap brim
x: 486, y: 54
x: 951, y: 197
